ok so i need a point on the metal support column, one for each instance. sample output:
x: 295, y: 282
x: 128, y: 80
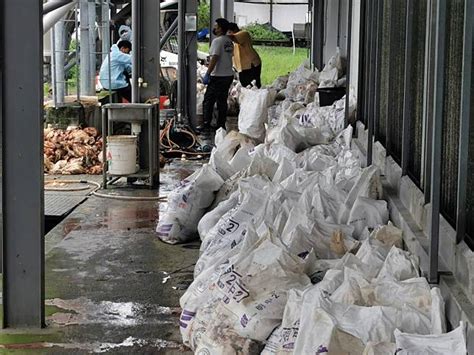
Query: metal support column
x: 361, y: 113
x: 271, y: 13
x: 372, y: 41
x: 59, y: 51
x: 348, y: 62
x: 228, y: 9
x: 136, y: 27
x: 216, y: 12
x: 92, y: 45
x: 428, y: 97
x: 407, y: 99
x: 379, y: 9
x: 464, y: 123
x: 187, y: 64
x: 85, y: 48
x: 150, y: 51
x: 317, y: 34
x: 22, y: 162
x: 105, y: 29
x: 437, y: 138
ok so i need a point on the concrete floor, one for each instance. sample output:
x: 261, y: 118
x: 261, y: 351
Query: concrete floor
x: 111, y: 285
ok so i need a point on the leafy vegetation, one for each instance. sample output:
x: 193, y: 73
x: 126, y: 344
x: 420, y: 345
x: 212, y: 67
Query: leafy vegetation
x: 204, y: 11
x: 264, y: 33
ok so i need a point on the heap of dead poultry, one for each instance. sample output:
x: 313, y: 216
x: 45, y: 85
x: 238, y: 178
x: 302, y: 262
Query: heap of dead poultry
x: 73, y: 152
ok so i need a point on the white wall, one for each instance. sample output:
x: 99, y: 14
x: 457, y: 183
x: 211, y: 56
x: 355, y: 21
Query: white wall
x: 284, y: 16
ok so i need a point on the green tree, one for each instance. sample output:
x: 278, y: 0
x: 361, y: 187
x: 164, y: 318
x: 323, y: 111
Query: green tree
x: 204, y: 14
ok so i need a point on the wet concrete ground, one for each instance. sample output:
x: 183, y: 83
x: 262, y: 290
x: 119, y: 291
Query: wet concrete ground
x: 111, y: 285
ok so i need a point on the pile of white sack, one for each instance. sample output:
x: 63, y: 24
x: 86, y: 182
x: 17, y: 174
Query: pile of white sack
x: 298, y: 255
x: 232, y: 99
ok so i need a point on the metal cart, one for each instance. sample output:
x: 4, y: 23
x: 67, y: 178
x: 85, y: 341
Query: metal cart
x: 147, y: 116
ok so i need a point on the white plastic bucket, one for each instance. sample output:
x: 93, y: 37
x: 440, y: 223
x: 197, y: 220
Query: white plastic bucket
x: 122, y: 155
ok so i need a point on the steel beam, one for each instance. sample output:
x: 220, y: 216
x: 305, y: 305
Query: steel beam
x: 22, y: 163
x: 440, y: 46
x: 52, y: 5
x: 317, y: 34
x: 149, y: 50
x: 169, y: 32
x: 464, y: 123
x: 54, y: 16
x: 407, y: 99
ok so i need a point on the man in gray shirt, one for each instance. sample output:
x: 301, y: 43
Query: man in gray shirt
x: 219, y: 75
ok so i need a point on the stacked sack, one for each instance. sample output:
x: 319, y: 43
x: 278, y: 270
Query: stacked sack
x: 298, y: 255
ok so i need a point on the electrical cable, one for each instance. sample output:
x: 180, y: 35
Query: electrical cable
x: 172, y: 147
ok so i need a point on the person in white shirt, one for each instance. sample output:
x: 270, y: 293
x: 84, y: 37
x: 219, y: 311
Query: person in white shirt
x: 219, y: 76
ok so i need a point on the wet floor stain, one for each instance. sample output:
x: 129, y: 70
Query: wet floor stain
x: 97, y: 347
x: 82, y: 311
x: 111, y: 285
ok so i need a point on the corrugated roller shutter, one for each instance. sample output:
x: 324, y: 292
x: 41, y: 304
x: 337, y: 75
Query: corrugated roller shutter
x: 451, y: 109
x: 417, y: 76
x: 381, y: 116
x: 396, y: 78
x: 470, y: 172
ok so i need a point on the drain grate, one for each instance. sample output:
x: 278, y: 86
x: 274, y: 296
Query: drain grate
x: 56, y: 205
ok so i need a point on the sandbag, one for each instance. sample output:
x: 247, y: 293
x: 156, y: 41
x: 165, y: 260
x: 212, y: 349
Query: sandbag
x: 453, y: 343
x: 253, y: 114
x: 319, y: 333
x: 187, y: 204
x: 231, y: 229
x: 253, y: 290
x: 365, y: 323
x: 382, y: 348
x: 399, y: 265
x: 197, y: 302
x: 223, y: 155
x: 373, y: 253
x: 367, y: 212
x: 389, y: 234
x: 414, y: 292
x: 352, y: 289
x: 438, y: 318
x: 251, y: 201
x: 210, y: 219
x: 282, y: 341
x: 368, y: 185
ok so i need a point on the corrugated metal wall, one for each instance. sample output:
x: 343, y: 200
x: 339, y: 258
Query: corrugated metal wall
x: 386, y: 91
x: 396, y: 69
x: 416, y: 85
x: 451, y: 109
x: 470, y: 173
x: 381, y: 117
